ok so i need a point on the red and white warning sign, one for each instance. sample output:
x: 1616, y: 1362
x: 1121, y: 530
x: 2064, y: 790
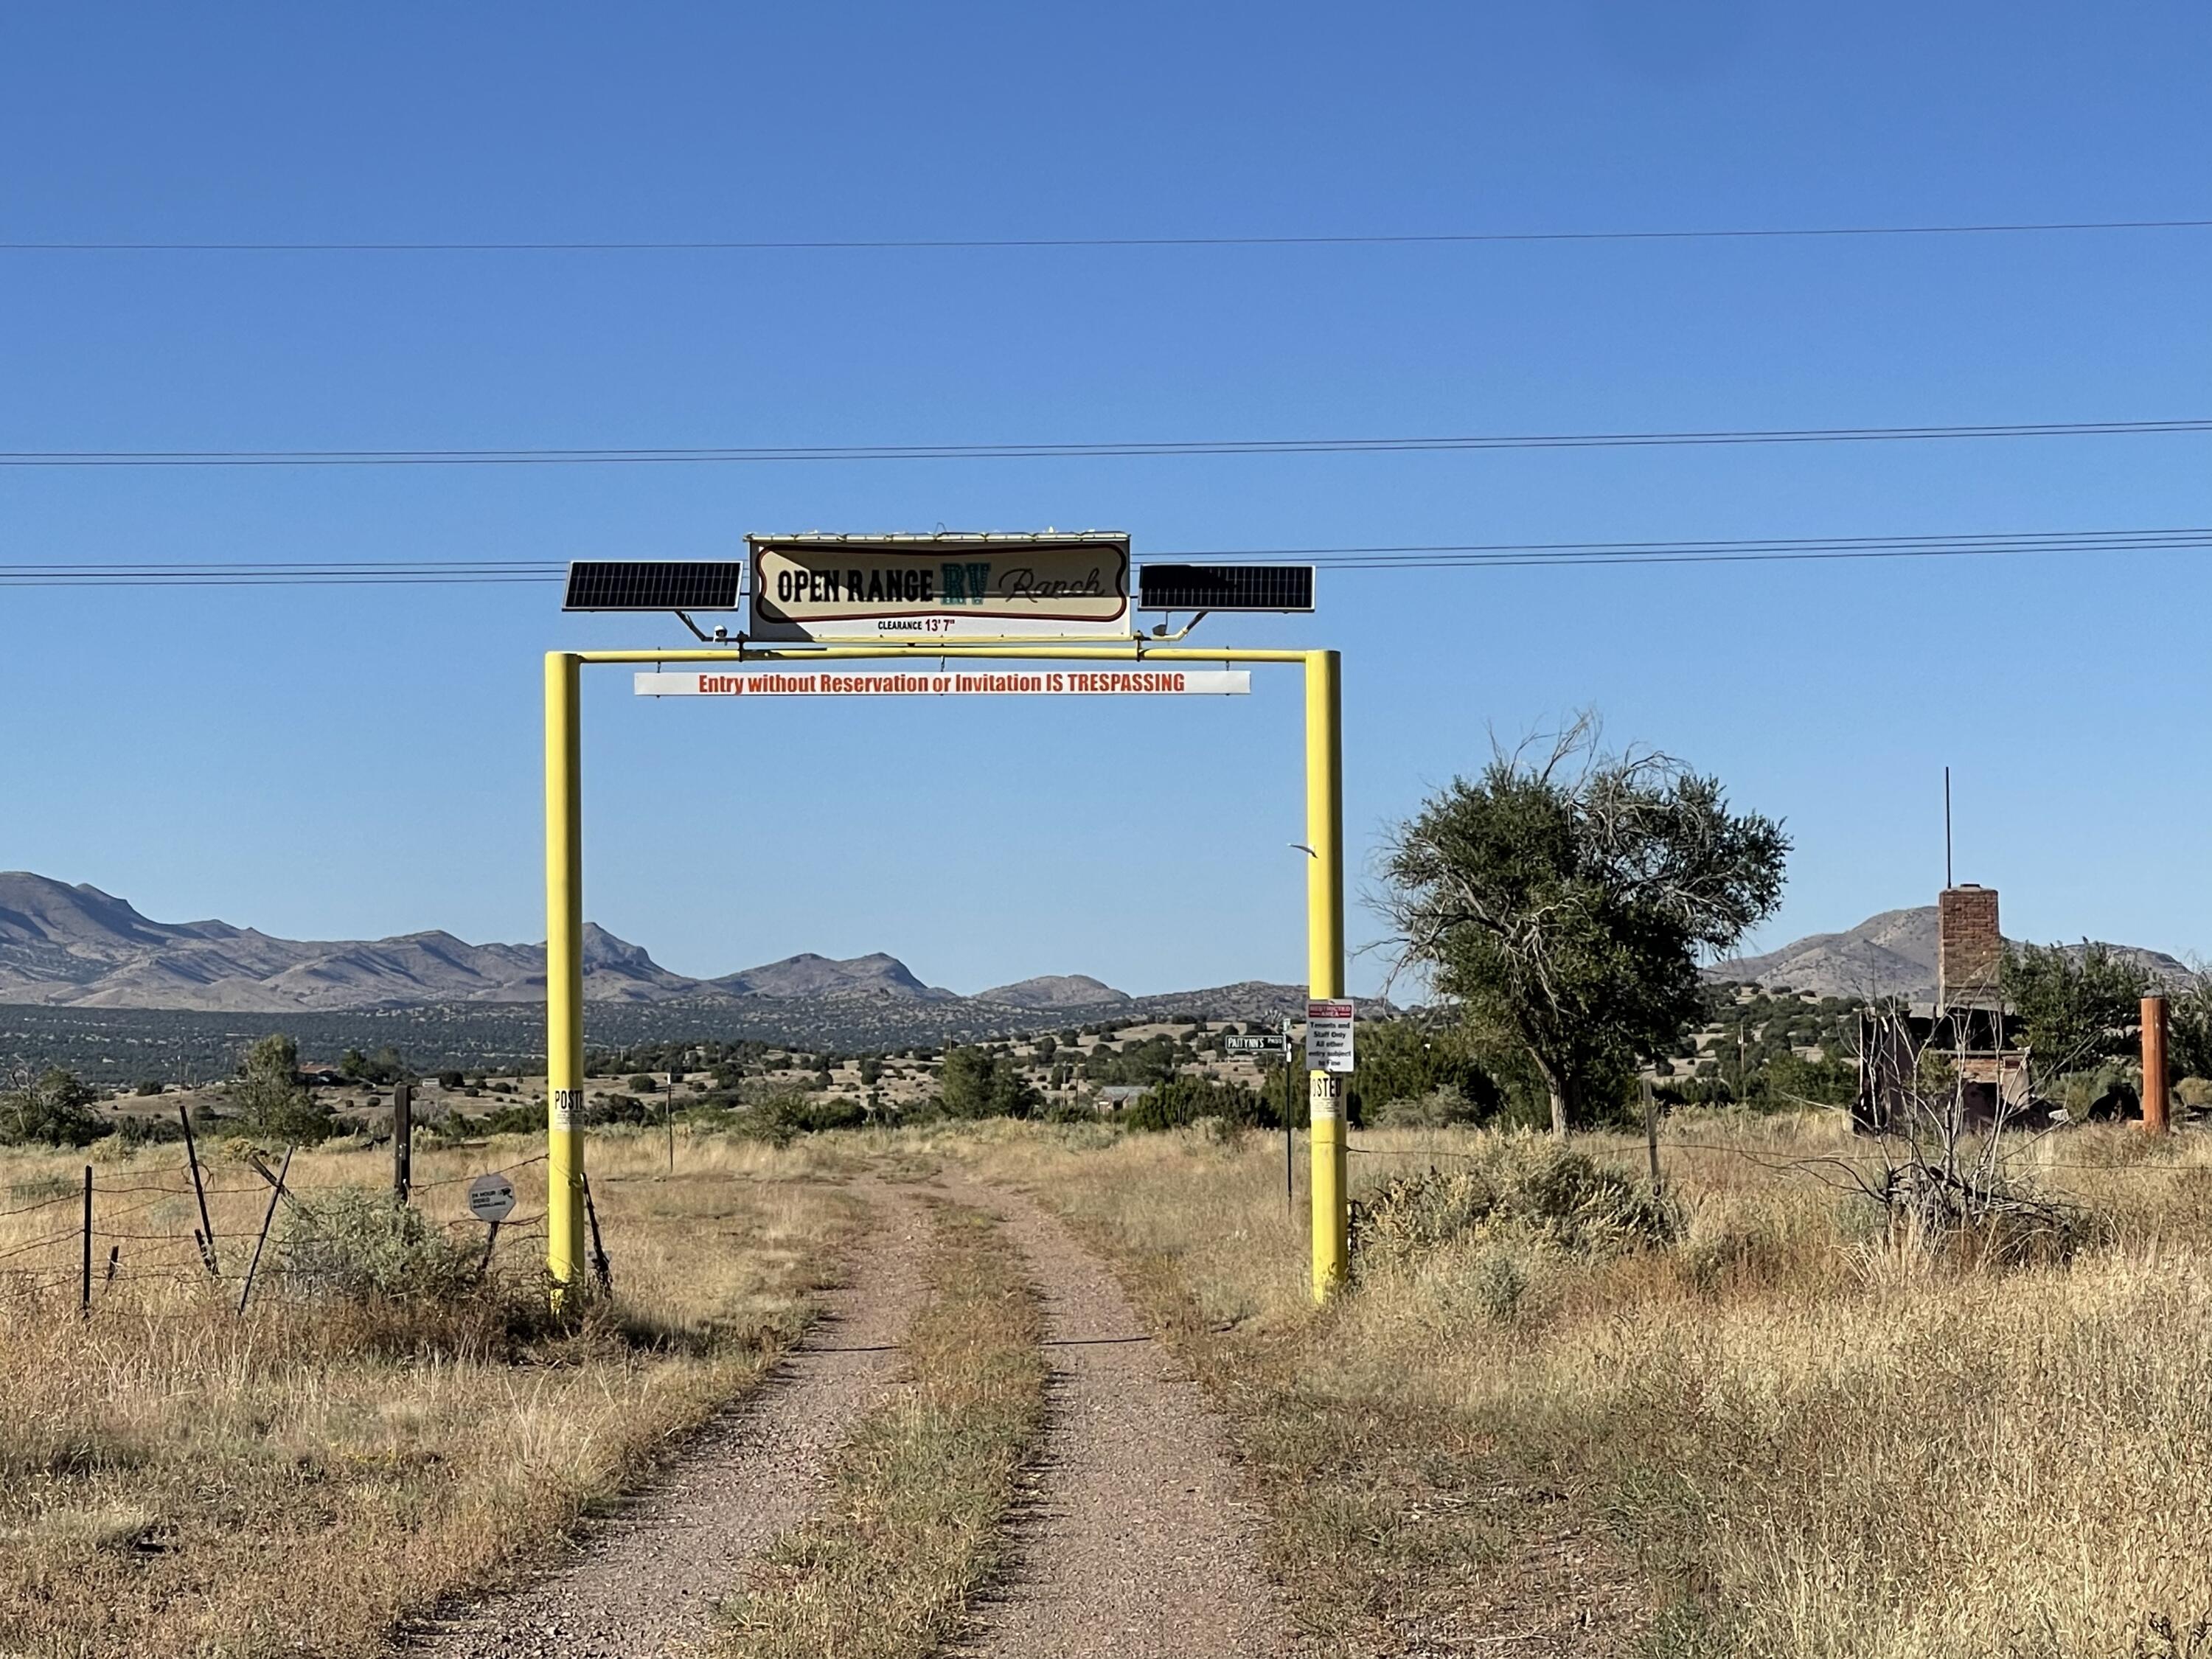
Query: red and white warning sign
x: 1328, y: 1035
x: 1133, y: 681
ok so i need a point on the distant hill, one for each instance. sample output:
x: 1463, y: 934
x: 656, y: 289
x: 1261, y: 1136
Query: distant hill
x: 78, y: 948
x: 1892, y: 954
x: 1055, y: 991
x: 810, y: 975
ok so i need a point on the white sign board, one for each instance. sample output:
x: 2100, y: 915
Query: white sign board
x: 1328, y: 1036
x: 935, y: 587
x: 491, y: 1198
x: 1135, y: 680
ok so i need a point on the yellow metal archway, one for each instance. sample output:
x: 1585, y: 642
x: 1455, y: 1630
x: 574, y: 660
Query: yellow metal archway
x: 564, y: 900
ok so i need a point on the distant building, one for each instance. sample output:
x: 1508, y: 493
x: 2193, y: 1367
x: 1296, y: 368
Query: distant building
x: 1115, y: 1096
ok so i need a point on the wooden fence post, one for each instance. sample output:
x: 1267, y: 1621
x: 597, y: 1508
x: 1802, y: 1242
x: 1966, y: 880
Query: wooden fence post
x: 276, y: 1196
x: 206, y: 1234
x: 403, y: 1140
x: 1651, y: 1130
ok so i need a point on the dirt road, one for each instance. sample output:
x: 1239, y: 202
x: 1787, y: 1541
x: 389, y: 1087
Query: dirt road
x: 644, y: 1584
x: 1137, y: 1543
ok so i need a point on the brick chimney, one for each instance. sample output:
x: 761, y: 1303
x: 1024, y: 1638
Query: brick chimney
x: 1969, y: 949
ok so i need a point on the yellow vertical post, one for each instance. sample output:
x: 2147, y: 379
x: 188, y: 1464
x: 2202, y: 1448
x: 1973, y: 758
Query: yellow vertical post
x: 1325, y: 960
x: 564, y: 972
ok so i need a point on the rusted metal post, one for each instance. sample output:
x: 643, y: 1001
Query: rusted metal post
x: 2153, y: 1058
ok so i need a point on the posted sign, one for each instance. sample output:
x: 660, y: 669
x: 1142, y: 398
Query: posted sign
x: 933, y: 587
x: 491, y: 1198
x: 1135, y: 680
x: 1328, y: 1036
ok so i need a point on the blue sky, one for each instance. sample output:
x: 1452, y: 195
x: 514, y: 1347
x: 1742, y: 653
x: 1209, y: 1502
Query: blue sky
x: 342, y: 762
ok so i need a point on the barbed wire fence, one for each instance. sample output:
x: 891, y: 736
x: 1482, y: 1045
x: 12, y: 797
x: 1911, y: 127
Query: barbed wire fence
x: 152, y: 1228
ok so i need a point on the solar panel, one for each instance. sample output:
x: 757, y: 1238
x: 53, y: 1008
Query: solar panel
x: 653, y: 585
x: 1225, y: 587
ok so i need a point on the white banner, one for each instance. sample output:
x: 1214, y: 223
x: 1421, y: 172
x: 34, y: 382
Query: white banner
x: 978, y: 681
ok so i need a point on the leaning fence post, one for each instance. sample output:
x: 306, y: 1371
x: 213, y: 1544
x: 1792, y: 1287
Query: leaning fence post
x: 1651, y: 1130
x: 276, y: 1194
x: 84, y: 1290
x: 598, y: 1251
x: 206, y: 1234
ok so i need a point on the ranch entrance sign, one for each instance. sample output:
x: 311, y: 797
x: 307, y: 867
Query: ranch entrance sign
x: 905, y: 588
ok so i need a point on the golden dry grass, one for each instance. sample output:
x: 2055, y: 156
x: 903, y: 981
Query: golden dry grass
x: 1781, y: 1437
x: 914, y: 1521
x: 176, y: 1480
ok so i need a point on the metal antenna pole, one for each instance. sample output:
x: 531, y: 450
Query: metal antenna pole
x: 1946, y: 827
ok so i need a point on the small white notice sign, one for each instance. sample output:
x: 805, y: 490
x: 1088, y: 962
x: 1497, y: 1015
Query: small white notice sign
x: 1328, y: 1035
x: 491, y: 1198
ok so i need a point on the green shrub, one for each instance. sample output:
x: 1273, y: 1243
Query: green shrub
x: 979, y: 1083
x: 53, y: 1109
x: 1184, y: 1100
x: 1439, y: 1108
x: 781, y: 1118
x: 356, y: 1243
x: 270, y: 1102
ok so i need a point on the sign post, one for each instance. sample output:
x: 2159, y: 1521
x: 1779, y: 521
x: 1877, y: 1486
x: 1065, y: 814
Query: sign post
x: 491, y: 1200
x: 1331, y: 1196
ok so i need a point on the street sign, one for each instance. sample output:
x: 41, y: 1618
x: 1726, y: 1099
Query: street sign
x: 941, y: 587
x: 491, y: 1198
x: 980, y: 681
x: 1255, y: 1045
x: 1328, y: 1036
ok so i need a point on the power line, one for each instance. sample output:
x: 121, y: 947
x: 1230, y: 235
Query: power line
x: 987, y: 244
x: 1426, y: 555
x: 1110, y: 450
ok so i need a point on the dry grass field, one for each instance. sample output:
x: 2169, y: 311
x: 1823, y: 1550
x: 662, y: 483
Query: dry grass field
x: 175, y: 1479
x: 1780, y: 1436
x: 1756, y: 1426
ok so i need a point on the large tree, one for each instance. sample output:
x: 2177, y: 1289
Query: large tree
x: 1562, y: 901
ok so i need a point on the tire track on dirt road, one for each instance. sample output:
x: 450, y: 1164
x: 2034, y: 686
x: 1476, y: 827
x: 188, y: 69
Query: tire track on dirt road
x: 645, y: 1583
x: 1138, y: 1541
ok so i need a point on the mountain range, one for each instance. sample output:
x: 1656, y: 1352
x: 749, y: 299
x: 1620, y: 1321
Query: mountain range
x: 1892, y: 954
x: 77, y: 947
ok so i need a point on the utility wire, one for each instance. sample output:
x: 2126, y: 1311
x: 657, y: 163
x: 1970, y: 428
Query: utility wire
x: 552, y: 457
x: 1431, y: 555
x: 982, y: 244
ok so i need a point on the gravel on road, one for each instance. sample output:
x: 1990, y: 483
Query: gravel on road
x: 1137, y: 1542
x: 644, y: 1584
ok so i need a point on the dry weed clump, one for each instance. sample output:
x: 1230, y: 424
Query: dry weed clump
x: 1513, y: 1187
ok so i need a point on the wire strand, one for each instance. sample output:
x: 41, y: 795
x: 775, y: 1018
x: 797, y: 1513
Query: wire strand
x: 1000, y: 244
x: 1362, y: 559
x: 1116, y: 449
